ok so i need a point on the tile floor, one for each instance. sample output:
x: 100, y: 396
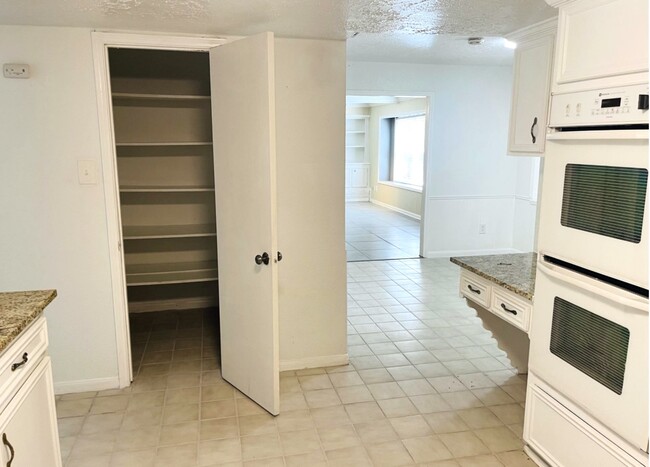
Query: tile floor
x: 373, y: 232
x: 426, y: 385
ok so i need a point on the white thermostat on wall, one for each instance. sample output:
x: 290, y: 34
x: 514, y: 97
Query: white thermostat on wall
x: 15, y: 70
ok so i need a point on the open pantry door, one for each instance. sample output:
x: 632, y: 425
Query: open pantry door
x: 243, y: 125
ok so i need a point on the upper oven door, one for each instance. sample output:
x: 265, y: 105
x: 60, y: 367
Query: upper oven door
x: 594, y: 210
x: 589, y: 341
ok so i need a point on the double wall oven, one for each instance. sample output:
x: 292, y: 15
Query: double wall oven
x: 589, y: 329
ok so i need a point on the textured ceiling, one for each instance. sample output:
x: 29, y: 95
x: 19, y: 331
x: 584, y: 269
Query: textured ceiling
x: 421, y: 31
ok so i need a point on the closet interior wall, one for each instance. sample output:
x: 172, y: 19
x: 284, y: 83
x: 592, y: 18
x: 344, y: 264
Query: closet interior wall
x: 163, y: 136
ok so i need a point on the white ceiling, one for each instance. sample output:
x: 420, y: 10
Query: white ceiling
x: 418, y: 31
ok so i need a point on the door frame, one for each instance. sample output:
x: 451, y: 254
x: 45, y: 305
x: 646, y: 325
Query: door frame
x: 101, y: 42
x: 424, y: 219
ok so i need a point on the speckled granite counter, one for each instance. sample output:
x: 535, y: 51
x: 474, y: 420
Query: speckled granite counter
x: 18, y: 310
x: 515, y: 272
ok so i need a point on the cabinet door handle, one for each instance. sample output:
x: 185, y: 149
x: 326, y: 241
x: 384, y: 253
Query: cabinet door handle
x: 532, y: 127
x: 263, y: 258
x: 15, y: 366
x: 508, y: 310
x: 6, y: 442
x: 472, y: 289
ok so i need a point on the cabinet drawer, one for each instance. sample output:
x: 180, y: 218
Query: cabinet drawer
x: 29, y: 347
x: 510, y: 308
x: 475, y: 288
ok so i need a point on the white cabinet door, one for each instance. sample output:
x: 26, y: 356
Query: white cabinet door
x: 243, y: 119
x: 531, y: 93
x: 28, y: 424
x: 359, y: 177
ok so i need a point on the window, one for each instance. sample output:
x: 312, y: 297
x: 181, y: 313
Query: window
x: 402, y: 150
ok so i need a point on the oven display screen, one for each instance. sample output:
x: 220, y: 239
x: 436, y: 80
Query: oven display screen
x: 606, y: 103
x: 590, y: 343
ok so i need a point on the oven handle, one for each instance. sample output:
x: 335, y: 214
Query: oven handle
x: 602, y: 134
x: 640, y: 305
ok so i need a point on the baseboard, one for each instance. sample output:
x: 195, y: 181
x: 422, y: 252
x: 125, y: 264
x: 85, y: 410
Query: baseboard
x: 314, y: 362
x: 85, y: 385
x: 357, y: 199
x: 396, y: 209
x: 448, y: 253
x: 172, y: 304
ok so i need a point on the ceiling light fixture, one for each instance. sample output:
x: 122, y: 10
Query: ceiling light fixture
x: 509, y: 44
x: 475, y: 40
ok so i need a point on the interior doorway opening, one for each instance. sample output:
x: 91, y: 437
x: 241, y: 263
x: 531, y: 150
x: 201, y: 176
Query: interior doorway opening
x: 385, y: 156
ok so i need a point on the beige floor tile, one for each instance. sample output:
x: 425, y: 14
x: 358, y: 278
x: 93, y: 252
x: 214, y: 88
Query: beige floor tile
x: 427, y: 449
x: 178, y: 413
x: 446, y: 463
x: 485, y: 460
x: 430, y: 403
x: 260, y: 446
x: 78, y: 395
x: 432, y: 370
x: 155, y: 369
x: 182, y: 396
x: 312, y: 459
x: 273, y: 462
x: 352, y: 394
x: 377, y: 431
x: 391, y: 453
x: 109, y: 404
x: 476, y: 381
x: 146, y: 399
x: 516, y: 458
x: 93, y: 445
x: 330, y: 416
x: 364, y: 412
x: 101, y: 423
x: 321, y: 398
x: 461, y: 400
x: 386, y: 390
x: 299, y: 442
x: 338, y: 437
x: 218, y: 409
x: 139, y: 438
x: 219, y: 428
x: 516, y: 391
x: 289, y: 384
x: 517, y: 429
x: 70, y: 426
x: 137, y: 418
x: 464, y: 444
x: 219, y: 451
x: 499, y: 439
x: 73, y: 407
x: 399, y: 407
x: 375, y: 375
x: 140, y: 458
x: 493, y: 396
x: 314, y: 382
x: 179, y: 433
x: 294, y: 420
x: 446, y: 422
x: 99, y: 460
x: 246, y: 406
x: 183, y: 380
x: 292, y: 401
x: 257, y: 424
x: 479, y: 417
x: 66, y: 444
x: 393, y: 360
x: 411, y: 427
x: 446, y: 384
x: 182, y: 455
x: 348, y: 457
x: 416, y: 387
x: 345, y: 379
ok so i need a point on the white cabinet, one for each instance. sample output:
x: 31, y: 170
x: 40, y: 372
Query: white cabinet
x: 28, y: 428
x: 603, y: 40
x: 357, y: 182
x: 531, y: 88
x: 357, y: 167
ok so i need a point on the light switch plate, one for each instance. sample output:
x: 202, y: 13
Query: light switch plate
x: 15, y: 70
x: 87, y: 172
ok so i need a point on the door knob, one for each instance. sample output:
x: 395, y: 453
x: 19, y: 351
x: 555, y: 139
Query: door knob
x: 279, y: 256
x: 263, y: 258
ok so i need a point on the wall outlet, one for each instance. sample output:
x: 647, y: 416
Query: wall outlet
x: 482, y: 229
x: 15, y: 70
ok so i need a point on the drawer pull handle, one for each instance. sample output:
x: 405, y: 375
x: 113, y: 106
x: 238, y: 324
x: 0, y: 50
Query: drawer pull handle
x: 6, y: 442
x: 472, y: 289
x: 15, y: 366
x: 505, y: 308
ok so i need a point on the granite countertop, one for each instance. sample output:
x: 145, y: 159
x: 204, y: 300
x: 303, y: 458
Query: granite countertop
x: 18, y: 310
x: 515, y: 272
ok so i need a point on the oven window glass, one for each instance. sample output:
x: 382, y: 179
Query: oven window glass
x: 605, y: 200
x: 592, y: 344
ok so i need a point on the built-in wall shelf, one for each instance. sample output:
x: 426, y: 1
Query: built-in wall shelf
x: 355, y: 146
x: 173, y: 143
x: 355, y: 131
x: 171, y: 273
x: 164, y: 189
x: 158, y: 97
x: 145, y: 232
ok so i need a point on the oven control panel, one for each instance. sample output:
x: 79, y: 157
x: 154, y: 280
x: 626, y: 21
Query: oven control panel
x: 625, y: 105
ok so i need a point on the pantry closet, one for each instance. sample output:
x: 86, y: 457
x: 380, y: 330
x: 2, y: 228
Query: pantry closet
x: 163, y: 141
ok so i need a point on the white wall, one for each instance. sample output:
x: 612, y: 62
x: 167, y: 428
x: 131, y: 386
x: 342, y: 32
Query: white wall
x: 310, y: 103
x: 525, y: 204
x: 409, y: 201
x: 472, y: 181
x: 53, y: 231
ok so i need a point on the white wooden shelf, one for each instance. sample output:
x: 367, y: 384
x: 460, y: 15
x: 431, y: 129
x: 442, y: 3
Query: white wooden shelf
x: 158, y: 97
x: 355, y: 146
x: 171, y: 273
x: 172, y: 143
x: 355, y: 131
x: 144, y: 232
x: 164, y: 189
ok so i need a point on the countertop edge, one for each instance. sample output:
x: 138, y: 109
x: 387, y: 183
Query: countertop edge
x: 22, y: 317
x: 483, y: 274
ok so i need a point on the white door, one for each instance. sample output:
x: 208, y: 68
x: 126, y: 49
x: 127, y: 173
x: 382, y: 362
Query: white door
x: 243, y: 122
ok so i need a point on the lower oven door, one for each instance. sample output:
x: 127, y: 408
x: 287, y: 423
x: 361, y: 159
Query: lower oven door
x: 594, y: 209
x: 589, y: 342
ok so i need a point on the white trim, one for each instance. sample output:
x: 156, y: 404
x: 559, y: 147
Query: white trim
x: 459, y: 197
x: 172, y: 304
x: 396, y: 209
x: 101, y: 41
x: 449, y: 253
x: 358, y: 199
x: 85, y: 385
x: 534, y: 31
x: 525, y: 198
x: 314, y: 362
x: 401, y: 186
